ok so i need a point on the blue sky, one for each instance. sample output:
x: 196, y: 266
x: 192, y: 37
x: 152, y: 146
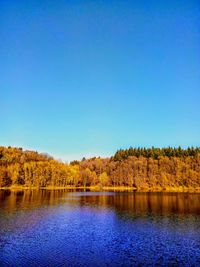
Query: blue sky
x: 84, y: 78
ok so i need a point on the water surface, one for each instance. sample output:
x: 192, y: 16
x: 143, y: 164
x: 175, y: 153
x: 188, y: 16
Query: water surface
x: 62, y: 228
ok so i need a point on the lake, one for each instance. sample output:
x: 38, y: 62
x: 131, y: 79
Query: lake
x: 63, y: 228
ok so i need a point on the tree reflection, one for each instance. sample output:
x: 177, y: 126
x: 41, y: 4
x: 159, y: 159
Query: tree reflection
x: 156, y: 203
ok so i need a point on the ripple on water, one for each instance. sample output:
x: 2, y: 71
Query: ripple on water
x: 99, y: 229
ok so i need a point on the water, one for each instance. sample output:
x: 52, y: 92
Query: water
x: 62, y: 228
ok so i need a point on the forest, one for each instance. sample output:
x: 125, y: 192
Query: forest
x: 139, y: 168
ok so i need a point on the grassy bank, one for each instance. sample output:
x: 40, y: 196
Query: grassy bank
x: 107, y: 188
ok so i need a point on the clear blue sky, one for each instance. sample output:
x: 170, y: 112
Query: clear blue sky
x: 83, y: 78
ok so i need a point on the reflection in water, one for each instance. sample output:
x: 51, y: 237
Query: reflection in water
x: 156, y: 203
x: 27, y: 199
x: 70, y: 228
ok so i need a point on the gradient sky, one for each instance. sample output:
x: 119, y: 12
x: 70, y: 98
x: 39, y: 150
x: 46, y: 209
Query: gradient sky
x: 84, y: 78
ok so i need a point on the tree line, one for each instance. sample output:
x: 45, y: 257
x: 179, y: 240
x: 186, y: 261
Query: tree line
x: 133, y: 167
x: 155, y: 153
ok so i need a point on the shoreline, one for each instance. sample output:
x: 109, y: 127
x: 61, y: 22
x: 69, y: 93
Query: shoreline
x: 108, y: 188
